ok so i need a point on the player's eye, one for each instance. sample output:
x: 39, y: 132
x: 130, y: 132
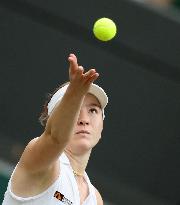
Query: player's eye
x: 93, y: 110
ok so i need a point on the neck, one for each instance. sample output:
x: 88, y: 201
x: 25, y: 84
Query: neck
x: 78, y: 162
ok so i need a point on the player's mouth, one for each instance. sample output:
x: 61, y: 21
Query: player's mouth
x: 82, y: 132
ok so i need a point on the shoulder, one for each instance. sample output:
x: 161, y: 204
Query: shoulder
x: 98, y: 197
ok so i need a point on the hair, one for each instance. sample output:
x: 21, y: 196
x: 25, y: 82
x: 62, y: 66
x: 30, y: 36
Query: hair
x: 44, y: 114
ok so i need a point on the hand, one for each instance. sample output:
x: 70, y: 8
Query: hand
x: 78, y: 77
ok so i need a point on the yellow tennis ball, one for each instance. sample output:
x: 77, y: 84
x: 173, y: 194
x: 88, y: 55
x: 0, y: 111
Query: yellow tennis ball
x: 104, y: 29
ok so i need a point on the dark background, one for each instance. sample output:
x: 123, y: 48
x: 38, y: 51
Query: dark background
x: 137, y: 160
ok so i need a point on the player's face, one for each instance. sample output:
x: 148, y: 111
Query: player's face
x: 89, y: 125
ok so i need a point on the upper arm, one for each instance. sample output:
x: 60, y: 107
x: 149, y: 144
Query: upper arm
x: 98, y: 197
x: 40, y: 154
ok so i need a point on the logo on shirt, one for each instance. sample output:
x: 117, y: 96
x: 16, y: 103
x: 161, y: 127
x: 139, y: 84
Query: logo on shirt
x: 62, y: 198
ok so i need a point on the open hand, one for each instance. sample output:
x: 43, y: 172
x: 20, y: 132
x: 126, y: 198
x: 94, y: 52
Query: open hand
x: 78, y: 77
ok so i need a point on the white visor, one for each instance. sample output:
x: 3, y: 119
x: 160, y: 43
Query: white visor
x: 94, y: 89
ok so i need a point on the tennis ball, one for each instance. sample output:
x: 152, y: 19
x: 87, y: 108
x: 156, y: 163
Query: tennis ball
x: 104, y: 29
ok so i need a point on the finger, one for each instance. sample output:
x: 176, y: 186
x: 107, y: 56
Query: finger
x: 73, y: 64
x: 73, y: 61
x: 93, y: 78
x: 80, y: 70
x: 73, y: 56
x: 89, y: 73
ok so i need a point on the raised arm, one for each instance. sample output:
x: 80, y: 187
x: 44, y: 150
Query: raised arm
x: 41, y: 153
x: 61, y: 123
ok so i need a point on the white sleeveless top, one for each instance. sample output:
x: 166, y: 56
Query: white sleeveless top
x: 64, y: 191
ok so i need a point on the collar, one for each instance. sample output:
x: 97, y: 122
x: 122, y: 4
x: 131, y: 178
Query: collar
x: 64, y: 159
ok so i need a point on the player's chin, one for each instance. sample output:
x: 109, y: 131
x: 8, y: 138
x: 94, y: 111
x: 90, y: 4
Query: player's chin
x: 84, y: 146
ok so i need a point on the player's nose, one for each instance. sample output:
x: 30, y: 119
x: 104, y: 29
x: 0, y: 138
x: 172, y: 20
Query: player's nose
x: 83, y: 118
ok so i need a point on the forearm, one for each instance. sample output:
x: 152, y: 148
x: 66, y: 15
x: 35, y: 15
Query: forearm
x: 61, y: 122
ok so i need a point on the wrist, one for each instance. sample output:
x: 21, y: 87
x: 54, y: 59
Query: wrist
x: 76, y: 90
